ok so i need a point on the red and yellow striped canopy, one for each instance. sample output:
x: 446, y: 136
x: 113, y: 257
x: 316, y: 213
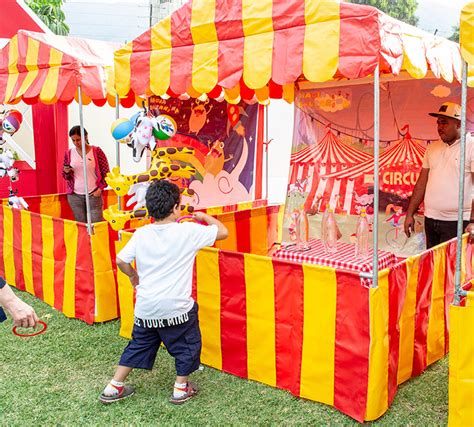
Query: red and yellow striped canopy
x: 48, y: 68
x: 255, y: 50
x: 466, y: 39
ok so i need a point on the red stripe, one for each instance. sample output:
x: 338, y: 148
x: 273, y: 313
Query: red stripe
x: 59, y: 263
x: 233, y: 313
x: 259, y: 152
x: 423, y: 302
x: 37, y: 254
x: 36, y: 85
x: 140, y: 63
x: 289, y: 315
x: 351, y: 358
x: 66, y: 211
x: 397, y: 280
x: 17, y: 250
x: 242, y: 225
x: 359, y: 40
x: 2, y: 238
x: 288, y: 41
x: 84, y: 285
x: 449, y: 287
x: 182, y: 49
x: 194, y: 288
x: 231, y: 42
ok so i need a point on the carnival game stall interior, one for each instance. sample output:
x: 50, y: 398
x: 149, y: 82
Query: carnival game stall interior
x: 324, y: 296
x: 316, y: 319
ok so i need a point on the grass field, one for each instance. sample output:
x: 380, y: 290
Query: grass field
x: 55, y: 379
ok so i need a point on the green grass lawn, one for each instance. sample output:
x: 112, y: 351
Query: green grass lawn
x: 55, y: 379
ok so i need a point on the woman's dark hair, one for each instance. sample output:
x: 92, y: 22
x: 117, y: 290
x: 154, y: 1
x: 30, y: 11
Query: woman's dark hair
x: 76, y: 130
x: 161, y: 197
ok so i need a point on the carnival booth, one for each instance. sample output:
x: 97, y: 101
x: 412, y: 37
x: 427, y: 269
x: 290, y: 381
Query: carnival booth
x: 332, y: 330
x: 461, y: 358
x: 69, y: 265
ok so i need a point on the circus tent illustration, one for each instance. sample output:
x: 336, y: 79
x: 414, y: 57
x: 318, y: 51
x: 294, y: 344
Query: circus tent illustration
x: 399, y: 168
x: 330, y: 155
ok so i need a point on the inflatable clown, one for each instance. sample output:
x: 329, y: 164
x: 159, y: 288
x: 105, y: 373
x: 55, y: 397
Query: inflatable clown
x: 140, y: 133
x: 10, y: 122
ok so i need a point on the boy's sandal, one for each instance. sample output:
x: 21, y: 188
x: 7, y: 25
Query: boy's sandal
x: 191, y: 391
x: 127, y: 391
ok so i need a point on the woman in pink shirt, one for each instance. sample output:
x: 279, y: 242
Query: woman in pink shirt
x: 73, y: 173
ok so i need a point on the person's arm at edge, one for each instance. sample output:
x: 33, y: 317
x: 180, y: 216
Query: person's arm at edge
x: 22, y: 314
x: 126, y: 268
x: 415, y: 200
x: 222, y: 232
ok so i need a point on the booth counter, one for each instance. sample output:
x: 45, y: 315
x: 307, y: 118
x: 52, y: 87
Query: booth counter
x: 315, y: 331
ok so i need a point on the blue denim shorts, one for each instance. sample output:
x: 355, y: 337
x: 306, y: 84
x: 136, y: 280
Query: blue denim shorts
x: 183, y: 342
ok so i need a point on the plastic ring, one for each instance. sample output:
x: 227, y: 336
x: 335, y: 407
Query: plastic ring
x: 45, y: 326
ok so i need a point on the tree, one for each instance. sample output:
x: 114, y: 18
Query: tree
x: 404, y: 10
x: 50, y: 12
x: 455, y: 36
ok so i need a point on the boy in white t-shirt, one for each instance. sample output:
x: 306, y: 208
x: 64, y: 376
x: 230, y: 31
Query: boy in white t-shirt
x: 164, y: 310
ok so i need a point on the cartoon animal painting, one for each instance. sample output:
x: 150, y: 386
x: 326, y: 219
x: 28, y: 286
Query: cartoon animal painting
x: 198, y: 118
x: 215, y: 158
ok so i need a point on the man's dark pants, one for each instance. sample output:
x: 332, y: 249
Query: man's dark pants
x: 438, y: 231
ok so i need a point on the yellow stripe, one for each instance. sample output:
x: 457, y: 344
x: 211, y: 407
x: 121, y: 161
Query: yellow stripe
x: 26, y: 251
x: 8, y: 259
x: 466, y: 32
x: 289, y: 92
x: 104, y: 280
x: 257, y: 23
x: 31, y: 65
x: 377, y: 390
x: 209, y: 300
x: 319, y: 334
x: 125, y: 292
x: 122, y: 69
x: 229, y: 244
x: 232, y: 95
x: 50, y: 86
x: 407, y: 322
x: 206, y: 46
x: 70, y: 240
x: 435, y: 335
x: 259, y: 231
x: 414, y: 58
x: 47, y: 234
x: 160, y: 58
x: 321, y: 40
x: 12, y: 70
x: 461, y: 367
x: 260, y: 303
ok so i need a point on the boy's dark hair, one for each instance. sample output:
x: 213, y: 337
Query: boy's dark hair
x: 76, y: 130
x: 161, y: 197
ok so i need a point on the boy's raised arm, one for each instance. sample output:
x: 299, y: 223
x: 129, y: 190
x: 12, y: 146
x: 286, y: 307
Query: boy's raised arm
x: 222, y: 232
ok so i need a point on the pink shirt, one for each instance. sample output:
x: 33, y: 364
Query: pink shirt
x: 442, y: 189
x: 76, y: 164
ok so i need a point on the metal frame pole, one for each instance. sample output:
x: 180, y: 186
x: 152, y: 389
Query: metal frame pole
x: 375, y: 226
x: 266, y: 152
x: 117, y: 144
x: 462, y: 156
x: 84, y: 161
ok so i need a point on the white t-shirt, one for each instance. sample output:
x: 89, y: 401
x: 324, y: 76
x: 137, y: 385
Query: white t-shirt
x: 442, y: 188
x: 164, y: 256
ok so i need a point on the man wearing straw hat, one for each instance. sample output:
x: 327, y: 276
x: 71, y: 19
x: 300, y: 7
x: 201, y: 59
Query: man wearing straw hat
x: 438, y: 182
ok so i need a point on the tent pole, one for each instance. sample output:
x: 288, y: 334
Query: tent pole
x: 375, y: 226
x: 117, y: 144
x: 84, y: 161
x: 266, y: 153
x: 462, y: 156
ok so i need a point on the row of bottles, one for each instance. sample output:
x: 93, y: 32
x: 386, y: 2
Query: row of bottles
x: 329, y: 233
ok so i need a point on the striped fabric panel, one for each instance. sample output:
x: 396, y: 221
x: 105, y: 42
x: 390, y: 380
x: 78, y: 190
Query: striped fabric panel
x: 352, y: 346
x: 126, y: 294
x: 319, y: 334
x: 26, y: 250
x: 233, y: 313
x: 37, y: 255
x: 423, y: 299
x: 260, y: 308
x: 72, y: 297
x: 17, y: 250
x: 48, y: 259
x: 449, y: 288
x: 289, y: 318
x: 377, y: 389
x: 59, y: 249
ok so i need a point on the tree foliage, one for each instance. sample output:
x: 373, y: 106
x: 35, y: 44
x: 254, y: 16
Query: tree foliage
x: 404, y: 10
x: 50, y: 12
x: 455, y: 36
